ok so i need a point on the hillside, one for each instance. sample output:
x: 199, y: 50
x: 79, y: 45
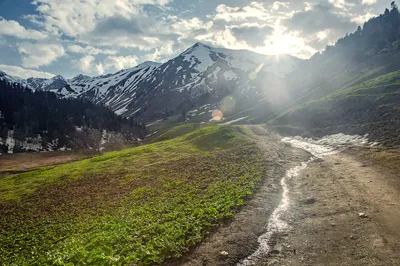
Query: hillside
x: 41, y: 121
x: 140, y: 205
x: 370, y: 107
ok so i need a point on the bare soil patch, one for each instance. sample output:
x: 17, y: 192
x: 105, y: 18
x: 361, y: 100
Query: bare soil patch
x: 21, y: 162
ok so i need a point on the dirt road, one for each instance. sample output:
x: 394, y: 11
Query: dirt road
x: 340, y: 211
x: 332, y: 230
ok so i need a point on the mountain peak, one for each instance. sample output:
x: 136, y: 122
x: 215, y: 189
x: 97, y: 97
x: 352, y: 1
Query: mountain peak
x: 148, y: 63
x: 201, y: 46
x: 197, y: 46
x: 82, y: 76
x: 58, y: 77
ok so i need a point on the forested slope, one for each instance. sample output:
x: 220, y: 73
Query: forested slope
x: 42, y: 121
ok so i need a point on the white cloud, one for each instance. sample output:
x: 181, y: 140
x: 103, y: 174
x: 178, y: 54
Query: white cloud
x: 24, y: 73
x: 368, y: 2
x: 321, y: 24
x: 360, y: 19
x: 85, y: 63
x: 99, y: 69
x: 39, y: 54
x: 75, y: 17
x: 88, y: 66
x: 278, y: 5
x: 116, y: 23
x: 13, y: 28
x: 89, y: 50
x: 142, y: 33
x: 341, y: 4
x: 159, y: 35
x: 120, y: 62
x: 253, y: 10
x: 322, y: 35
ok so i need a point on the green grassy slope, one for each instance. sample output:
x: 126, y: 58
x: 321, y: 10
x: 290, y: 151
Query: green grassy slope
x: 376, y: 66
x: 177, y: 131
x: 382, y: 85
x: 138, y: 206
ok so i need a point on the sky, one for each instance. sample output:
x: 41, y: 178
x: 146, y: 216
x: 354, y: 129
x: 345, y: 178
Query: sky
x: 43, y: 38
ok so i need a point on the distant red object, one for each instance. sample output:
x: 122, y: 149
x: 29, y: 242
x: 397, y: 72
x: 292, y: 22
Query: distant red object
x: 217, y: 115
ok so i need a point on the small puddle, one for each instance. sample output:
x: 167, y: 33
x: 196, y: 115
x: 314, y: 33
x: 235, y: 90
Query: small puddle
x: 276, y: 225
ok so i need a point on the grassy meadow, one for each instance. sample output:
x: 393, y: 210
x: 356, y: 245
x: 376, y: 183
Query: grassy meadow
x: 138, y: 206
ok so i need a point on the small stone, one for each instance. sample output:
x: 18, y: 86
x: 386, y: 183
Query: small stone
x: 362, y: 215
x: 333, y: 224
x: 309, y: 200
x: 275, y: 251
x: 224, y: 253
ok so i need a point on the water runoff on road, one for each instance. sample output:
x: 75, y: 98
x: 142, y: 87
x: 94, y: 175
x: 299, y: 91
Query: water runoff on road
x: 276, y: 225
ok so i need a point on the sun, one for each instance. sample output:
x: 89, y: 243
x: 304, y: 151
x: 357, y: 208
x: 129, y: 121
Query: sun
x: 282, y: 42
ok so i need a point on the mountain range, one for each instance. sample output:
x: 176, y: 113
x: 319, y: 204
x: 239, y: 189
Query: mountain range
x: 150, y: 90
x: 349, y: 87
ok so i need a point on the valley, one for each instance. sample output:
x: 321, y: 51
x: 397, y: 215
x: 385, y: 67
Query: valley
x: 212, y: 157
x: 220, y: 183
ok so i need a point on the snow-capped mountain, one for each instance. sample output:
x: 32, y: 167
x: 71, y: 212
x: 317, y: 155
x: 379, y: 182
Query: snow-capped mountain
x: 200, y: 75
x: 203, y: 75
x: 11, y: 79
x: 58, y: 84
x: 117, y: 90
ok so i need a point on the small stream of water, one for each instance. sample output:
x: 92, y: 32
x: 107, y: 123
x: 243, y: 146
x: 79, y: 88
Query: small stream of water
x: 276, y: 225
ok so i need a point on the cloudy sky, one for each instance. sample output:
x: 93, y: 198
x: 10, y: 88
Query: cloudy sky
x: 47, y: 37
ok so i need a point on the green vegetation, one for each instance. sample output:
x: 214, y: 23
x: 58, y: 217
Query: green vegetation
x: 138, y: 206
x: 385, y: 84
x: 379, y: 87
x: 178, y: 131
x: 390, y: 159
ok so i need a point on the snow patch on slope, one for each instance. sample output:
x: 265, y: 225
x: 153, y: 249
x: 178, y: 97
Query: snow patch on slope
x: 105, y: 138
x: 234, y: 121
x: 230, y: 75
x: 199, y: 57
x: 10, y: 141
x: 329, y: 144
x: 121, y: 111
